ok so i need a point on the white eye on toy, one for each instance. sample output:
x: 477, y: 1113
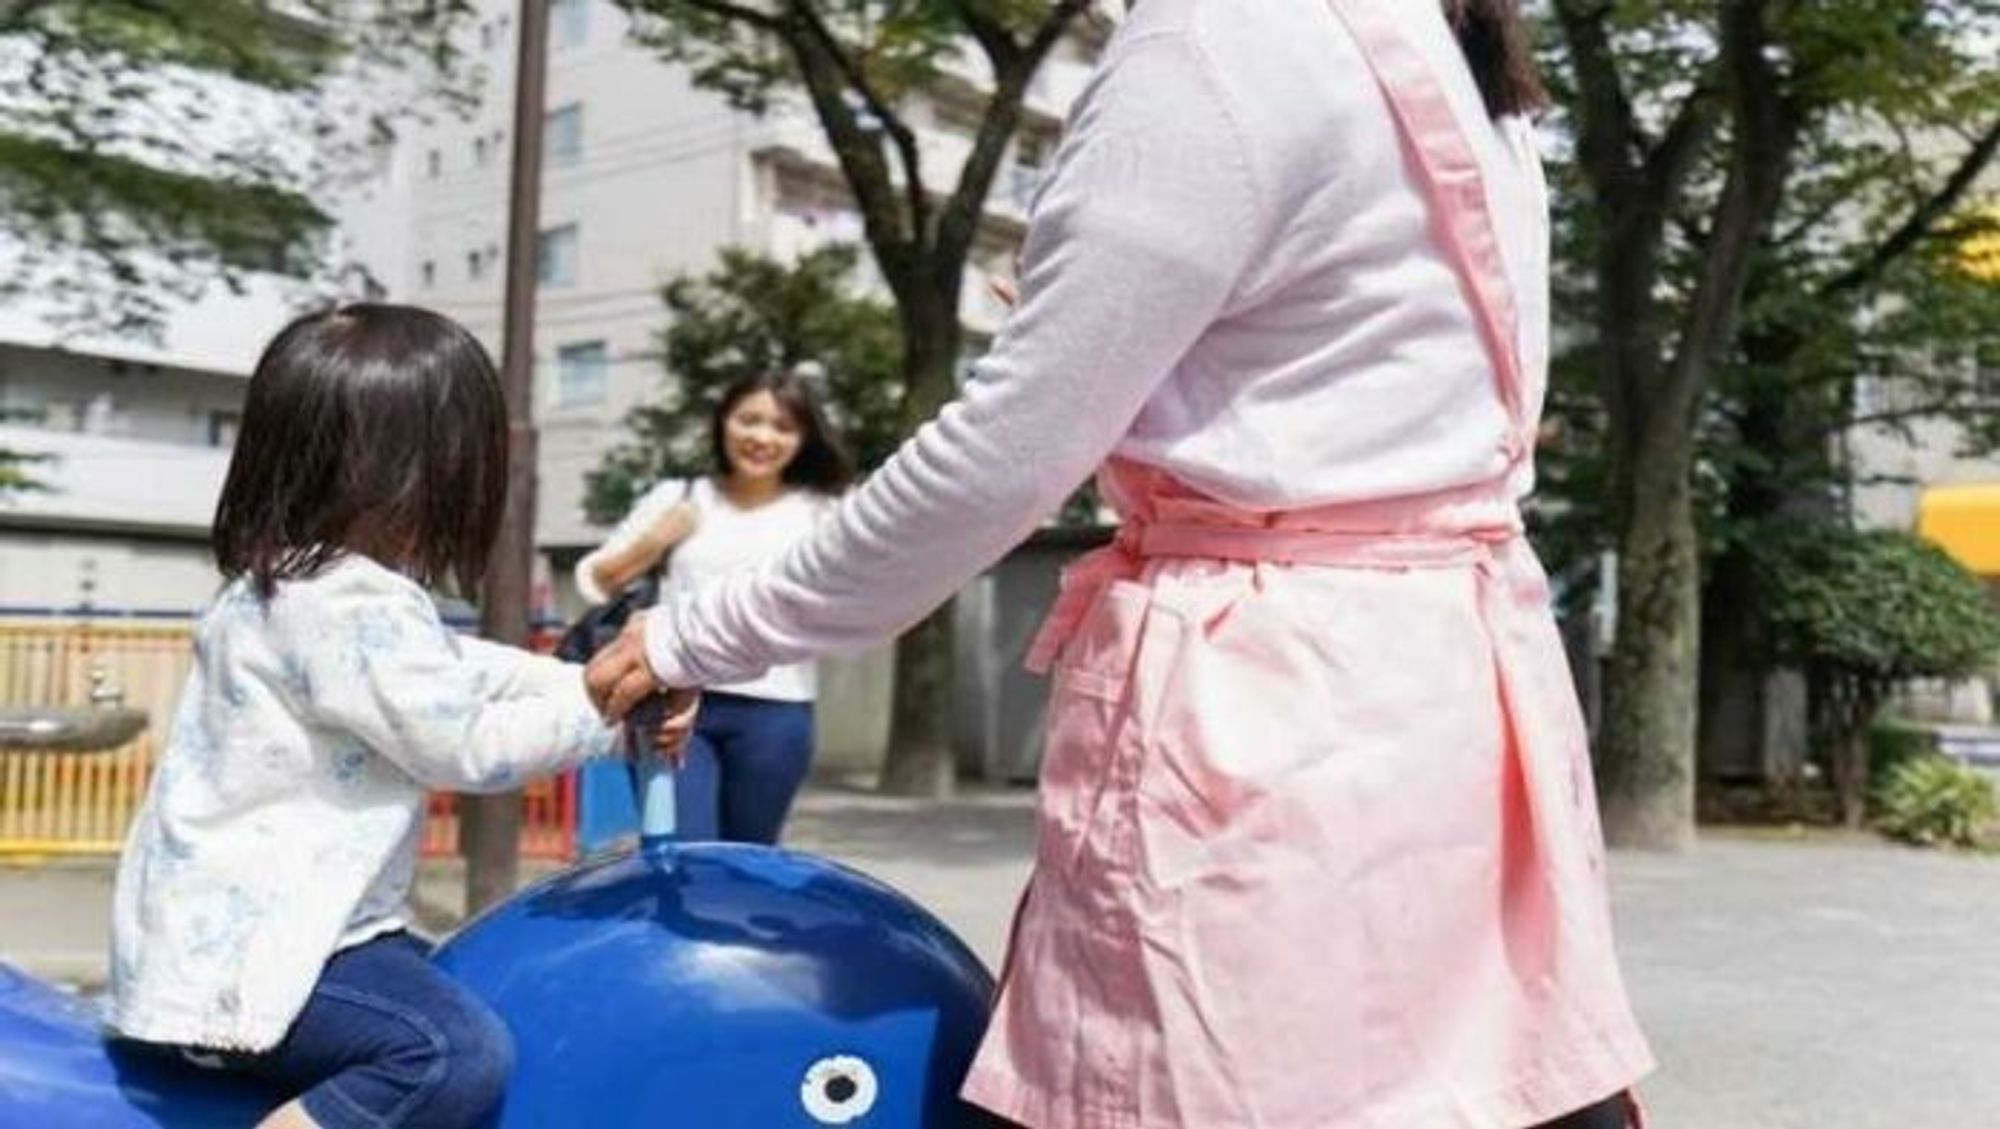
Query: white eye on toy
x: 838, y: 1090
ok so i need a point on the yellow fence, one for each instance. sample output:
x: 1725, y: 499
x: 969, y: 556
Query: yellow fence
x: 80, y: 803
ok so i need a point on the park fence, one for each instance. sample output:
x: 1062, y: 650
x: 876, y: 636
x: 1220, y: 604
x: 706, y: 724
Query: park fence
x: 81, y: 803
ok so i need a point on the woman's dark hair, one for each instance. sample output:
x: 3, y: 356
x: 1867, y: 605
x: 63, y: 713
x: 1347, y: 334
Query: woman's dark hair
x: 1495, y: 41
x: 372, y: 429
x: 822, y: 463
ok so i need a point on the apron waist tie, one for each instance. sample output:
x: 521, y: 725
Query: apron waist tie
x: 1125, y: 558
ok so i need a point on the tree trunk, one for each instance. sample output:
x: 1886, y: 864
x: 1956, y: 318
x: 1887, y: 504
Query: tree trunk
x: 1646, y: 752
x: 1850, y: 776
x: 1852, y: 709
x: 921, y: 760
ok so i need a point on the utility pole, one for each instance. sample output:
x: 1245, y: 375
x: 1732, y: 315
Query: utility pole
x: 490, y: 835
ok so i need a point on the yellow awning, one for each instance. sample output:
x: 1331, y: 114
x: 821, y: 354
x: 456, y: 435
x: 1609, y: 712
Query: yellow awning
x: 1965, y: 522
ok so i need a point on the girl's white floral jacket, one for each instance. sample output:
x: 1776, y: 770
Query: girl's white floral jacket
x: 284, y: 815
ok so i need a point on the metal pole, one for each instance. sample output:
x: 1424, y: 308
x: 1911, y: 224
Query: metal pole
x: 491, y: 825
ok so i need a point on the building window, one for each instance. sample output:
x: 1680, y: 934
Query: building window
x: 222, y: 428
x: 479, y: 152
x: 569, y: 23
x: 1031, y: 156
x: 434, y: 164
x: 555, y: 265
x: 583, y: 374
x: 429, y: 273
x: 562, y: 131
x: 480, y: 263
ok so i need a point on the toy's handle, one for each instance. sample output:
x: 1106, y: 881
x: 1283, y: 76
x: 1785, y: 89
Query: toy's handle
x: 652, y: 776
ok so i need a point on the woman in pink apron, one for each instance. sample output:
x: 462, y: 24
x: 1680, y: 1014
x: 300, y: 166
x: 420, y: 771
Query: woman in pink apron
x: 1318, y: 847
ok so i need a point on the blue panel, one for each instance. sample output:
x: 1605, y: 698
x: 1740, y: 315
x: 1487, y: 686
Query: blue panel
x: 713, y: 986
x: 732, y: 985
x: 605, y: 810
x: 56, y: 1069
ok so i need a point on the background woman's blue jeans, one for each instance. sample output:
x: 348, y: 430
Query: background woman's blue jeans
x: 744, y: 765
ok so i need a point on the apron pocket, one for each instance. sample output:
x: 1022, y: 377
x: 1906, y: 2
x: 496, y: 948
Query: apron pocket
x: 1096, y: 724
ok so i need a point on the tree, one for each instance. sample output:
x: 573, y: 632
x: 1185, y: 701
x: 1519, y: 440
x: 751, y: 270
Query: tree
x: 127, y: 186
x: 1862, y: 613
x: 14, y: 474
x: 1696, y: 130
x: 857, y: 64
x: 753, y: 315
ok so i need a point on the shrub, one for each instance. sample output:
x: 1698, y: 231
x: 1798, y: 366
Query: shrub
x: 1935, y: 801
x: 1861, y: 612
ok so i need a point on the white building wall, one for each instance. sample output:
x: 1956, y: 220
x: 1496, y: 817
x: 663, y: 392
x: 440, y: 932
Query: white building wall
x: 667, y: 176
x: 1892, y: 472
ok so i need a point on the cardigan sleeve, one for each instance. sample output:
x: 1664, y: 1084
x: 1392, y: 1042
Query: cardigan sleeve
x: 1136, y: 245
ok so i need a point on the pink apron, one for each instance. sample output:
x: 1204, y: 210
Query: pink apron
x: 1318, y: 847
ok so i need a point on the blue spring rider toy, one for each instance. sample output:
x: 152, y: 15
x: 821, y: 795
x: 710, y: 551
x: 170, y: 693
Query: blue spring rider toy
x: 697, y: 985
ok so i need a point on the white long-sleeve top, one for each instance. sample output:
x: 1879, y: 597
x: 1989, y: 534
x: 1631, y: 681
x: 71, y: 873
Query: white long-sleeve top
x: 282, y: 820
x: 1230, y: 274
x: 726, y: 540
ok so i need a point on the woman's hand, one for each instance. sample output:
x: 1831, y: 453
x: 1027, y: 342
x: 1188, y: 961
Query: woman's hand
x: 618, y: 677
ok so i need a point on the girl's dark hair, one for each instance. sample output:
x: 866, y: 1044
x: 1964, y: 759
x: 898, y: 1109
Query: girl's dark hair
x: 1495, y: 41
x: 372, y: 429
x: 822, y: 463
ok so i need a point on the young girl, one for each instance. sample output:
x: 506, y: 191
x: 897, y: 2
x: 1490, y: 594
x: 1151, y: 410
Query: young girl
x: 258, y: 923
x: 1318, y: 847
x: 778, y: 466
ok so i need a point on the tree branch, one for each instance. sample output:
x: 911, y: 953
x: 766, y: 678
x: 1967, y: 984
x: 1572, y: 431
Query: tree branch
x: 1608, y: 132
x: 1052, y: 29
x: 1956, y: 409
x: 916, y: 197
x: 958, y: 224
x: 1923, y: 218
x: 1766, y: 133
x: 1666, y: 167
x: 991, y: 35
x: 762, y: 21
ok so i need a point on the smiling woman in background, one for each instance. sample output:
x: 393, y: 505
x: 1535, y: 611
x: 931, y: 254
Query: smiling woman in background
x: 778, y: 466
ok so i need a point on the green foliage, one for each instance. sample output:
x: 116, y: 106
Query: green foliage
x: 898, y: 46
x: 1877, y: 607
x: 751, y: 315
x: 14, y: 473
x: 1934, y: 801
x: 1890, y: 747
x: 1858, y: 275
x: 130, y: 182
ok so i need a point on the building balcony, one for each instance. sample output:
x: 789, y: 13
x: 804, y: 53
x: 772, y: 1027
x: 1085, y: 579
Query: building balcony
x: 114, y: 484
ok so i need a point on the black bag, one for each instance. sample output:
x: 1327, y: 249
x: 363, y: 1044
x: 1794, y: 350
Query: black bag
x: 596, y: 628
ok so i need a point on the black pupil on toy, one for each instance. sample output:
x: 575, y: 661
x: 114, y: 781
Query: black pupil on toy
x: 840, y: 1089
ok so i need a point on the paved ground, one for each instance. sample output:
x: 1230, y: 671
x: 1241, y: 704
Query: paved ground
x: 1787, y: 983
